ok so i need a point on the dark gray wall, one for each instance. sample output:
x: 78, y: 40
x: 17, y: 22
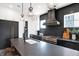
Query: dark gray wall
x: 58, y: 30
x: 8, y: 29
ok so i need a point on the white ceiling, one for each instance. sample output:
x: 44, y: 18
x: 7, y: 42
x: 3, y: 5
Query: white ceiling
x: 38, y: 8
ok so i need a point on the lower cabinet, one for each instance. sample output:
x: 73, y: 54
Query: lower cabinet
x: 68, y: 44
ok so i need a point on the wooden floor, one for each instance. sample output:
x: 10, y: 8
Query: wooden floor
x: 2, y: 53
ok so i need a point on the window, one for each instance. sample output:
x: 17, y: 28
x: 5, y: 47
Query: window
x: 71, y: 20
x: 42, y: 24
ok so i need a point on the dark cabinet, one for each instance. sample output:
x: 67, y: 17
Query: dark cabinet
x: 14, y: 29
x: 60, y: 42
x: 68, y: 44
x: 8, y: 29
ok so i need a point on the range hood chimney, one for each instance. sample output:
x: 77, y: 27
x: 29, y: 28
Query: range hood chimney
x: 51, y: 21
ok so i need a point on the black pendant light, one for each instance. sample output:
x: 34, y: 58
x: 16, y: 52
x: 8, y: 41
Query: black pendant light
x: 30, y: 9
x: 22, y: 15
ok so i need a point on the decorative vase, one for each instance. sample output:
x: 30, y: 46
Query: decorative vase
x: 73, y: 36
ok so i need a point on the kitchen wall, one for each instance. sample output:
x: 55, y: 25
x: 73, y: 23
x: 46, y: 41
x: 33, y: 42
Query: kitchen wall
x: 33, y: 25
x: 10, y: 14
x: 58, y: 30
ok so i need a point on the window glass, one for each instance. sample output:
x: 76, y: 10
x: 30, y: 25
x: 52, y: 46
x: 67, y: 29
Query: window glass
x: 42, y: 24
x: 71, y: 20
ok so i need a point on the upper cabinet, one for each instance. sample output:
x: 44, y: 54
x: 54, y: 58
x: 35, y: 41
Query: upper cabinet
x: 71, y: 20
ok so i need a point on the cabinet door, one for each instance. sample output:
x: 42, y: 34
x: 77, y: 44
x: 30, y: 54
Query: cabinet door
x: 8, y: 29
x: 68, y: 44
x: 14, y: 29
x: 4, y: 34
x: 15, y: 24
x: 71, y: 45
x: 60, y: 42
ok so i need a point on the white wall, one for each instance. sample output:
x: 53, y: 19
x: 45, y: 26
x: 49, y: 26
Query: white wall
x: 13, y: 15
x: 21, y: 28
x: 33, y: 25
x: 8, y: 14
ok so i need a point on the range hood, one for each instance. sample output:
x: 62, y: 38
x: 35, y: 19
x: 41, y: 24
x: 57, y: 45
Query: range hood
x: 51, y: 21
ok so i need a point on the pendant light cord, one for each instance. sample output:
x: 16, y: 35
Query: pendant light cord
x: 22, y: 15
x: 22, y: 8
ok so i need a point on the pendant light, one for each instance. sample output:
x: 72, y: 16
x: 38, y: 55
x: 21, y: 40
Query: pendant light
x: 30, y: 10
x: 22, y: 15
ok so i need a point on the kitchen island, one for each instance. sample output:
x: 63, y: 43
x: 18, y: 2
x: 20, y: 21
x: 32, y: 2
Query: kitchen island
x: 41, y: 49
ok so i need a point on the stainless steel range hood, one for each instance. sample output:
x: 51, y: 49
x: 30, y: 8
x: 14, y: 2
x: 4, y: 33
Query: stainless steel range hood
x: 51, y: 21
